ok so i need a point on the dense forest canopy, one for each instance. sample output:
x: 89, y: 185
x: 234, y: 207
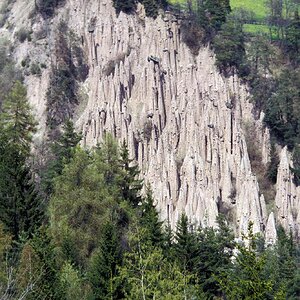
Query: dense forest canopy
x: 84, y: 226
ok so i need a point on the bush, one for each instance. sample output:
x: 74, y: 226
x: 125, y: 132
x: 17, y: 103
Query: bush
x: 192, y: 36
x: 23, y: 34
x: 35, y: 69
x: 229, y: 47
x: 126, y: 6
x: 47, y: 7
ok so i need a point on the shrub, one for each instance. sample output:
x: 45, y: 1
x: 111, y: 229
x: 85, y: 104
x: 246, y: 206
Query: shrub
x: 126, y: 6
x: 47, y: 7
x: 23, y: 34
x: 35, y: 69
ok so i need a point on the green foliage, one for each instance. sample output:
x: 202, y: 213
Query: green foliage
x: 217, y: 10
x: 129, y: 182
x: 19, y: 204
x: 245, y: 280
x: 148, y: 275
x: 215, y: 251
x: 47, y: 7
x: 150, y: 220
x: 257, y: 7
x: 129, y: 6
x: 185, y: 245
x: 151, y: 7
x: 293, y: 38
x: 62, y: 94
x: 102, y: 272
x: 229, y: 47
x: 296, y: 164
x: 282, y: 108
x: 126, y: 6
x: 87, y: 195
x: 5, y: 246
x: 72, y: 284
x: 8, y: 72
x: 23, y: 34
x: 273, y: 164
x: 35, y: 69
x: 61, y: 153
x: 48, y: 282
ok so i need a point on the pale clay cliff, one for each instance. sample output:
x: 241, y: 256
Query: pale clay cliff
x: 182, y: 120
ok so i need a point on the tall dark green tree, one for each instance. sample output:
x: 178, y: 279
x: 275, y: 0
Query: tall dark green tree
x: 103, y: 270
x: 61, y: 153
x: 293, y: 39
x: 130, y: 184
x: 19, y: 205
x: 246, y: 278
x: 214, y: 255
x: 229, y: 47
x: 150, y: 221
x: 217, y: 11
x: 185, y: 246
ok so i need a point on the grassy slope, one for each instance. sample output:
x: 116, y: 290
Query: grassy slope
x: 258, y: 7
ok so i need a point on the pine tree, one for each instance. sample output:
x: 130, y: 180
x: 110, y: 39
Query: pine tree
x: 214, y: 255
x: 229, y: 47
x: 130, y: 184
x: 107, y: 158
x: 217, y: 10
x: 245, y: 280
x: 185, y: 246
x: 19, y: 204
x: 147, y: 274
x: 62, y: 151
x: 103, y: 266
x: 150, y: 221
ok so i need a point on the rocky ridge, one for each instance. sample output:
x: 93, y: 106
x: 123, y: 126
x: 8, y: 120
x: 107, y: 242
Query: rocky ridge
x: 184, y: 122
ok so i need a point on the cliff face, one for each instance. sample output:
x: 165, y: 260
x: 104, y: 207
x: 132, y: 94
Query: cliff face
x: 184, y: 122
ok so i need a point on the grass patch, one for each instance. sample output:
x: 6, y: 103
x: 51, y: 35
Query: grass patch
x: 256, y: 28
x: 258, y: 7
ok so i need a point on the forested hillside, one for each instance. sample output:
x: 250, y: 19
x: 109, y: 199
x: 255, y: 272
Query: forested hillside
x: 80, y: 222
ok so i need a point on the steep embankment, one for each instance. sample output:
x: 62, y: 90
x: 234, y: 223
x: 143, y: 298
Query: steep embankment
x: 183, y: 121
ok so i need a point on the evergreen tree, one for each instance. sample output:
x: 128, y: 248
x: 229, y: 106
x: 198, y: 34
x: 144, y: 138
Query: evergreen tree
x: 217, y: 10
x: 146, y: 274
x: 46, y: 265
x: 151, y: 7
x: 107, y: 157
x: 130, y: 185
x: 62, y: 151
x: 103, y: 266
x: 293, y: 38
x: 150, y: 221
x: 214, y: 255
x: 273, y: 164
x: 246, y: 279
x: 229, y: 47
x: 185, y: 246
x: 19, y: 205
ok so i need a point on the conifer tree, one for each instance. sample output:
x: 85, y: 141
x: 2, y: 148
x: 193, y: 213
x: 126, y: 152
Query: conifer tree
x: 103, y: 266
x: 150, y: 221
x: 19, y: 205
x: 185, y: 245
x: 246, y: 279
x: 130, y: 184
x: 214, y: 255
x: 62, y: 151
